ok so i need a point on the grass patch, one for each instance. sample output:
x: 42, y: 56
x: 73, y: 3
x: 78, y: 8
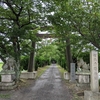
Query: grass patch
x: 26, y: 82
x: 41, y: 70
x: 62, y: 70
x: 1, y: 66
x: 5, y: 96
x: 0, y: 78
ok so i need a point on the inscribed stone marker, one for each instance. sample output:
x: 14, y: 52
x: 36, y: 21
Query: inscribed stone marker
x: 6, y: 78
x: 94, y: 71
x: 72, y: 74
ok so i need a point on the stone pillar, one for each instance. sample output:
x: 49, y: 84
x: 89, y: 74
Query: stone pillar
x: 31, y: 64
x: 94, y: 94
x: 72, y: 73
x: 94, y: 71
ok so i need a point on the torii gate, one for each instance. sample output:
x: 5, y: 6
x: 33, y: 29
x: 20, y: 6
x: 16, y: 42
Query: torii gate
x: 31, y: 64
x: 32, y: 60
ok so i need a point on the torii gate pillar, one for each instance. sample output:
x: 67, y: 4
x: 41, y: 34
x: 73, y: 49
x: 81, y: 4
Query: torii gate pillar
x: 31, y: 65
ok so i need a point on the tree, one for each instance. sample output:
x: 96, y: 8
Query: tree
x: 63, y: 30
x: 20, y: 20
x: 46, y: 52
x: 79, y: 17
x: 84, y: 17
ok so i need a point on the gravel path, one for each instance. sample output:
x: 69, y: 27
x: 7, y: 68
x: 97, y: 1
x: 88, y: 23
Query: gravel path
x: 48, y: 87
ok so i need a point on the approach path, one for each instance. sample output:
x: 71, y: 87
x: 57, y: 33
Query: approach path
x: 48, y: 87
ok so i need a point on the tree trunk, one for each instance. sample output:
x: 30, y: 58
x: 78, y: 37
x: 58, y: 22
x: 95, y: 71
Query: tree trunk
x: 31, y: 64
x: 68, y: 54
x: 16, y: 47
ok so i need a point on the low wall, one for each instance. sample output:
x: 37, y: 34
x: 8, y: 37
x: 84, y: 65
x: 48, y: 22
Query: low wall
x: 28, y: 75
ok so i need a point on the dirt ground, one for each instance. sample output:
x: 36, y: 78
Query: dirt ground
x: 76, y: 91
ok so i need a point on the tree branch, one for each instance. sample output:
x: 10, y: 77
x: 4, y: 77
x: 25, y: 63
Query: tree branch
x: 7, y: 18
x: 90, y: 40
x: 9, y: 5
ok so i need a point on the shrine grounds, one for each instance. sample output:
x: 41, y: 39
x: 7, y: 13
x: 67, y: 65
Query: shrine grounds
x: 24, y: 88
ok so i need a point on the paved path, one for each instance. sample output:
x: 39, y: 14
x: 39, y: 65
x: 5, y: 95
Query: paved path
x: 48, y: 87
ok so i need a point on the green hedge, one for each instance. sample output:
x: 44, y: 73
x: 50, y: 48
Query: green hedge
x: 24, y: 62
x: 41, y: 62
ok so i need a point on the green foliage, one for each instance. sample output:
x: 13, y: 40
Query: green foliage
x: 85, y: 56
x: 62, y: 62
x: 84, y: 18
x: 1, y: 66
x: 45, y: 52
x: 24, y: 62
x: 0, y: 78
x: 62, y: 70
x: 41, y: 62
x: 78, y: 20
x: 19, y: 22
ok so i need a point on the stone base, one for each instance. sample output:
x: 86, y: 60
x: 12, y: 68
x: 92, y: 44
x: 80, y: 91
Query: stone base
x: 77, y: 77
x: 66, y: 75
x: 28, y: 75
x: 89, y: 95
x: 7, y: 86
x: 7, y: 76
x: 83, y: 85
x: 73, y: 81
x: 83, y: 79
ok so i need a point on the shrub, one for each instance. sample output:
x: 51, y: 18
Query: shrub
x: 40, y: 62
x: 24, y: 62
x: 85, y: 56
